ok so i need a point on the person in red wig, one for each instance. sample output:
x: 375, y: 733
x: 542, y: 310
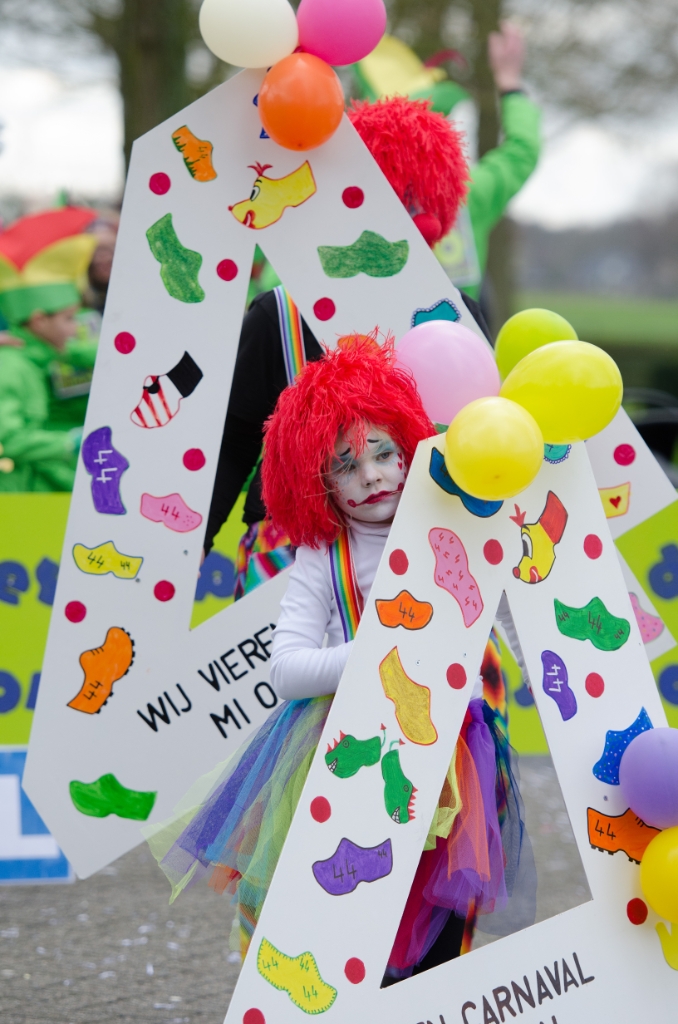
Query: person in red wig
x: 422, y: 156
x: 338, y: 449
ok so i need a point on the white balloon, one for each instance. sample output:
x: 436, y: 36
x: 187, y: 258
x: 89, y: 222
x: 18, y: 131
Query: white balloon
x: 249, y: 33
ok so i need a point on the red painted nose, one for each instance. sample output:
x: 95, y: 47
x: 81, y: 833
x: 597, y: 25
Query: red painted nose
x: 430, y: 227
x: 516, y: 572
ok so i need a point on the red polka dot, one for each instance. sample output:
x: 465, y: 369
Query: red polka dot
x: 353, y: 197
x: 456, y: 676
x: 159, y: 183
x: 493, y: 552
x: 324, y: 309
x: 398, y: 562
x: 624, y: 454
x: 355, y: 970
x: 594, y: 684
x: 75, y: 611
x: 227, y: 270
x: 125, y: 342
x: 636, y: 911
x: 593, y: 546
x: 194, y: 459
x: 164, y: 590
x: 320, y: 809
x: 253, y: 1016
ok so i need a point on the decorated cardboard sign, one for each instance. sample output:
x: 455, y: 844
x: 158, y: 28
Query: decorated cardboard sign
x: 133, y: 706
x: 331, y: 915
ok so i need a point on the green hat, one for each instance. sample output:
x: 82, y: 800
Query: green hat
x: 43, y: 259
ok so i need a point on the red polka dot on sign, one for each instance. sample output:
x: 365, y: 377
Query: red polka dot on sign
x: 456, y: 676
x: 253, y: 1016
x: 324, y: 309
x: 355, y: 970
x: 227, y: 270
x: 636, y: 911
x: 159, y: 183
x: 320, y: 809
x: 194, y: 459
x: 593, y: 546
x: 164, y: 590
x: 353, y: 197
x: 493, y: 552
x: 125, y: 342
x: 594, y: 684
x: 75, y: 611
x: 398, y: 562
x: 624, y: 454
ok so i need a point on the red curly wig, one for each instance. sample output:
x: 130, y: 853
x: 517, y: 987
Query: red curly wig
x: 356, y: 384
x: 420, y: 153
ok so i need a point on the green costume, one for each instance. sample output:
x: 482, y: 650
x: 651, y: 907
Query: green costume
x: 502, y: 172
x: 43, y: 391
x: 39, y: 430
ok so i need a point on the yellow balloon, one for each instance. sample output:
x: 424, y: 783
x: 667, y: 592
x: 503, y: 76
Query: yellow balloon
x: 572, y: 389
x: 659, y: 874
x: 526, y: 331
x: 493, y: 449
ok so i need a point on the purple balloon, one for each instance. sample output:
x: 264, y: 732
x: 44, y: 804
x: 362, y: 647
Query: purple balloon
x: 648, y: 776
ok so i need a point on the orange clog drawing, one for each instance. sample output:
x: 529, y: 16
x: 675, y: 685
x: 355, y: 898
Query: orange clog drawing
x: 622, y: 832
x: 270, y: 197
x: 103, y: 666
x: 404, y: 610
x: 197, y: 154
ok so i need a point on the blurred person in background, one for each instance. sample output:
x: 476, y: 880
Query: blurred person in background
x: 47, y: 356
x: 392, y: 68
x: 105, y: 230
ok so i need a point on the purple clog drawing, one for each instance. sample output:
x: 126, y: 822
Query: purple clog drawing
x: 352, y: 864
x: 106, y: 465
x: 556, y: 685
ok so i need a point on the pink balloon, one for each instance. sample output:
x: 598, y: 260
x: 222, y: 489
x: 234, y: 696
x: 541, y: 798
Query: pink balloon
x: 451, y: 366
x: 340, y: 31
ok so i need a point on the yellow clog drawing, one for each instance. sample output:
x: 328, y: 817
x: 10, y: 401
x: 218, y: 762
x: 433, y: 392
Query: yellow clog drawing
x: 104, y: 559
x: 270, y: 197
x: 412, y: 701
x: 298, y: 976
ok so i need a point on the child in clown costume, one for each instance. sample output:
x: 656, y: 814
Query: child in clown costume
x: 45, y: 362
x: 338, y: 449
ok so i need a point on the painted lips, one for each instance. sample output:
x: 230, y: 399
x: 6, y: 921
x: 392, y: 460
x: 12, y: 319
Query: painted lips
x: 374, y: 499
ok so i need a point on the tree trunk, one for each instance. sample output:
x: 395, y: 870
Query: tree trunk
x: 150, y: 39
x: 486, y: 17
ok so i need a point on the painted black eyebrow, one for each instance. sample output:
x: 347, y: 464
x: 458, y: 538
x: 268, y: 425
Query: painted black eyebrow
x: 342, y: 455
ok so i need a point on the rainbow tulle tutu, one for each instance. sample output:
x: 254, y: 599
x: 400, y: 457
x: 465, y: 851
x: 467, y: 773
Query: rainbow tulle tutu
x: 235, y: 829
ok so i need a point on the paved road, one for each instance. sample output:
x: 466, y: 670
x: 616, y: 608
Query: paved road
x: 110, y: 950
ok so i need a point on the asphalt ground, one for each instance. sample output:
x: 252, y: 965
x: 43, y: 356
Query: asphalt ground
x: 110, y: 949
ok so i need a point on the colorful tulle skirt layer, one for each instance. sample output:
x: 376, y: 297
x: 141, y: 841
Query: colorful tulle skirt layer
x: 470, y: 864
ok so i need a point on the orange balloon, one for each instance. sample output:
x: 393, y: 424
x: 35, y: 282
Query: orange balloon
x: 301, y: 102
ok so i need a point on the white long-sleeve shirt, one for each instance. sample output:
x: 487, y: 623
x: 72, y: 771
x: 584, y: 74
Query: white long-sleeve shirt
x: 300, y: 665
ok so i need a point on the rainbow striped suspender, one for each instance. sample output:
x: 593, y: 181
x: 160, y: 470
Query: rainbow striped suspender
x: 346, y: 590
x: 291, y: 333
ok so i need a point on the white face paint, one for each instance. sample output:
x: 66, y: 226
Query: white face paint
x: 367, y: 484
